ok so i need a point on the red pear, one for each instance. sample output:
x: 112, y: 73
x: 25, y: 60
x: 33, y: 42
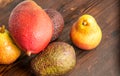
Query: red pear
x: 30, y: 27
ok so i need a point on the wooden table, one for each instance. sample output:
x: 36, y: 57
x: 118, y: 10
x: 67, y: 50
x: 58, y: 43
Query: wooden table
x: 101, y: 61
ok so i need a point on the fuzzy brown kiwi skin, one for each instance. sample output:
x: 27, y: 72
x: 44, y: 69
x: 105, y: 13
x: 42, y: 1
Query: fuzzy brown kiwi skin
x: 57, y: 59
x: 58, y: 22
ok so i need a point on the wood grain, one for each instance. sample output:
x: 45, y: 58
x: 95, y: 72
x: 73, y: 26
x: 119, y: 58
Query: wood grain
x: 101, y: 61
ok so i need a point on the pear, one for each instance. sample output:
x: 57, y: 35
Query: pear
x: 9, y: 52
x: 30, y: 27
x: 86, y: 33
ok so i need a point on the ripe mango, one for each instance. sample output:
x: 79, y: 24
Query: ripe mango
x: 30, y: 27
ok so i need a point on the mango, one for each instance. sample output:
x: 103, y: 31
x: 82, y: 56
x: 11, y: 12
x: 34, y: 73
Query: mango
x: 30, y: 27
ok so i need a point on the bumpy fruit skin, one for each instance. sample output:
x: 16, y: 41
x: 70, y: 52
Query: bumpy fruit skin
x: 85, y: 33
x: 58, y: 22
x: 57, y: 59
x: 30, y: 27
x: 9, y: 52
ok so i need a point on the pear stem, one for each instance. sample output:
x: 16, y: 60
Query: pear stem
x: 28, y: 53
x: 84, y: 23
x: 2, y: 29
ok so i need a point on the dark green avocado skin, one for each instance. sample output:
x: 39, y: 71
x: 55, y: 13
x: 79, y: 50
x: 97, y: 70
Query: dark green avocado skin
x: 57, y: 59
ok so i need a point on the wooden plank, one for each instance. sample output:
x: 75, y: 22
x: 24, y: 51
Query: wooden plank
x: 102, y: 61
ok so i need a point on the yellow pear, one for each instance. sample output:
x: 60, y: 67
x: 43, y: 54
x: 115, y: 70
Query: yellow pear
x: 86, y: 33
x: 9, y: 52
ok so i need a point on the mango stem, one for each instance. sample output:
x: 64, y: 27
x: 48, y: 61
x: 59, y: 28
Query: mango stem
x: 28, y: 53
x: 2, y: 29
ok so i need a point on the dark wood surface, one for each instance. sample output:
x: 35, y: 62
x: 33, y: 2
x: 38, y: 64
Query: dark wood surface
x: 101, y: 61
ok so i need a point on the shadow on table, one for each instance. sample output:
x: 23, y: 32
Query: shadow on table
x: 119, y: 40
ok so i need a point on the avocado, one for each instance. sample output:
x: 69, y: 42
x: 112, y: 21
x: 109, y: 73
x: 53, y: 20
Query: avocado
x: 57, y: 59
x: 58, y: 22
